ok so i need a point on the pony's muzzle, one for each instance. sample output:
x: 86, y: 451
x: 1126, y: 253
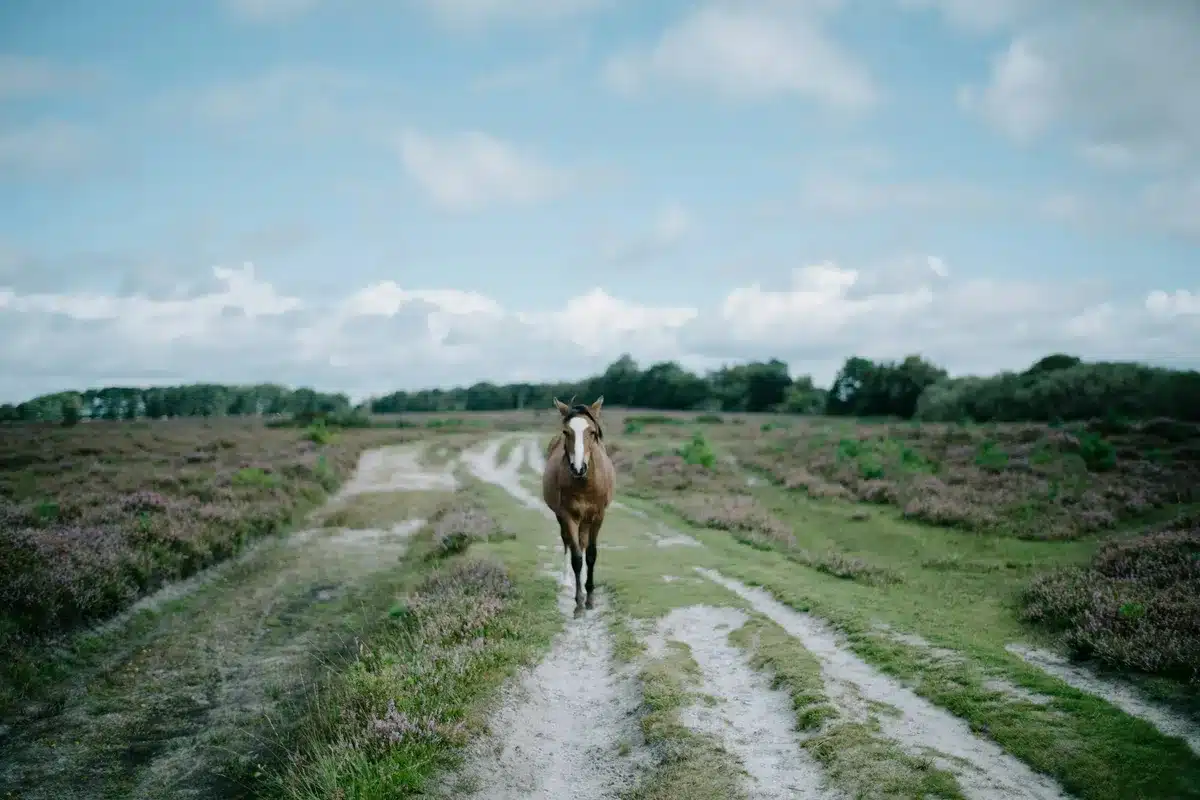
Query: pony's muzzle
x: 580, y: 472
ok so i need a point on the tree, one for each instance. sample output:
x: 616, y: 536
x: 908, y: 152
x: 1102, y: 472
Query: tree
x: 71, y: 411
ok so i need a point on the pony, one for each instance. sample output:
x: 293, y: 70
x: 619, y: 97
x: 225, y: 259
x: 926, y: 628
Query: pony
x: 578, y: 483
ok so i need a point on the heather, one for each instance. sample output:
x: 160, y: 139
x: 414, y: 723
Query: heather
x: 461, y: 523
x: 94, y: 516
x: 394, y: 717
x: 1135, y: 606
x: 1034, y: 481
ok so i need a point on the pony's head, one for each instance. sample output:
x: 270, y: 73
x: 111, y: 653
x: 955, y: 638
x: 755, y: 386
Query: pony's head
x: 581, y: 434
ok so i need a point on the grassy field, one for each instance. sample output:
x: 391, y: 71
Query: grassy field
x: 788, y: 605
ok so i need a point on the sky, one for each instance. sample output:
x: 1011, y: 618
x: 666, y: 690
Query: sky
x: 370, y: 195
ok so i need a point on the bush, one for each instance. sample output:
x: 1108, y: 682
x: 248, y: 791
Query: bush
x: 698, y: 452
x: 1135, y: 607
x: 1114, y: 391
x: 1097, y: 453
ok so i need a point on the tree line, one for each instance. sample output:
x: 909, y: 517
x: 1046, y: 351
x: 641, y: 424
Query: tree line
x: 1055, y: 387
x: 191, y: 400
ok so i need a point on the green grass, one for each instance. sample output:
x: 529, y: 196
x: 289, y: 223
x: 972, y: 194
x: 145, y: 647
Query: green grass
x: 957, y: 590
x: 1095, y: 750
x: 691, y: 765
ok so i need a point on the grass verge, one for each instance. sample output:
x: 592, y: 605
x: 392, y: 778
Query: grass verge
x: 421, y: 682
x: 690, y: 765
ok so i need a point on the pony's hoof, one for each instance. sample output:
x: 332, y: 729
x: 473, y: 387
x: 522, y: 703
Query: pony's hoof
x: 590, y: 603
x: 578, y: 611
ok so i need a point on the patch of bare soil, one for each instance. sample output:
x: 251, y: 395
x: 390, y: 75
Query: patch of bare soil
x: 983, y: 769
x: 568, y: 727
x: 753, y: 721
x: 561, y: 728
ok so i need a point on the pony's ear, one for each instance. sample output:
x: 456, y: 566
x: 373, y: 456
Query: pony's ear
x: 562, y: 407
x: 595, y: 407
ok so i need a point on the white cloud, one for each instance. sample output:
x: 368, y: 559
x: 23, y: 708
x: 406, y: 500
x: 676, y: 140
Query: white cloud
x: 23, y: 77
x: 264, y: 12
x: 749, y: 52
x: 471, y: 170
x: 1115, y: 77
x: 1179, y: 303
x: 848, y: 195
x: 671, y: 226
x: 384, y: 336
x: 473, y: 14
x: 980, y: 16
x: 914, y: 305
x: 45, y: 147
x: 303, y: 96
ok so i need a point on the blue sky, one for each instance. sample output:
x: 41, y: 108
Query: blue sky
x: 443, y: 191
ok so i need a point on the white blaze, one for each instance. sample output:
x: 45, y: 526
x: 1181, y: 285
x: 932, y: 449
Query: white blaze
x: 579, y: 426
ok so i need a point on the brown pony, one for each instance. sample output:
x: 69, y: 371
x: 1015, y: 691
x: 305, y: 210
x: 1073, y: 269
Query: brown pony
x: 578, y: 485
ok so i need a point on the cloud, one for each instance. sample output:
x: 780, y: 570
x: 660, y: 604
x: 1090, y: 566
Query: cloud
x: 24, y: 77
x: 305, y: 96
x: 45, y: 148
x: 829, y: 312
x: 980, y: 16
x: 267, y: 12
x: 475, y: 14
x: 471, y: 170
x: 672, y: 225
x: 749, y: 52
x: 846, y: 195
x: 1113, y: 77
x: 240, y: 328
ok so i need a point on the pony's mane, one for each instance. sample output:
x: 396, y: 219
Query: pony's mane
x: 579, y: 409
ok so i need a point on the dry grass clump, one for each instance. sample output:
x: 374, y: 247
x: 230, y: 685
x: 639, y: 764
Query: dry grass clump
x: 845, y: 567
x: 1136, y: 606
x: 95, y: 516
x: 1035, y: 481
x: 458, y: 525
x: 736, y: 513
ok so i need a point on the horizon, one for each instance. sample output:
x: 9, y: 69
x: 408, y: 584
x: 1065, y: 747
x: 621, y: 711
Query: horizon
x: 357, y: 400
x: 363, y: 197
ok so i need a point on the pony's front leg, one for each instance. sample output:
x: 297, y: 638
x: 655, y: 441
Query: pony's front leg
x: 570, y: 536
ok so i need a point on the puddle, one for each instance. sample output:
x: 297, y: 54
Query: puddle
x: 396, y: 469
x: 983, y: 769
x: 559, y: 730
x: 670, y: 578
x: 1122, y: 696
x: 752, y: 720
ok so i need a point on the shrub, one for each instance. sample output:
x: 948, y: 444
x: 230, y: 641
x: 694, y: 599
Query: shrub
x: 698, y: 452
x: 456, y: 527
x: 1097, y: 452
x: 1135, y: 607
x: 318, y: 433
